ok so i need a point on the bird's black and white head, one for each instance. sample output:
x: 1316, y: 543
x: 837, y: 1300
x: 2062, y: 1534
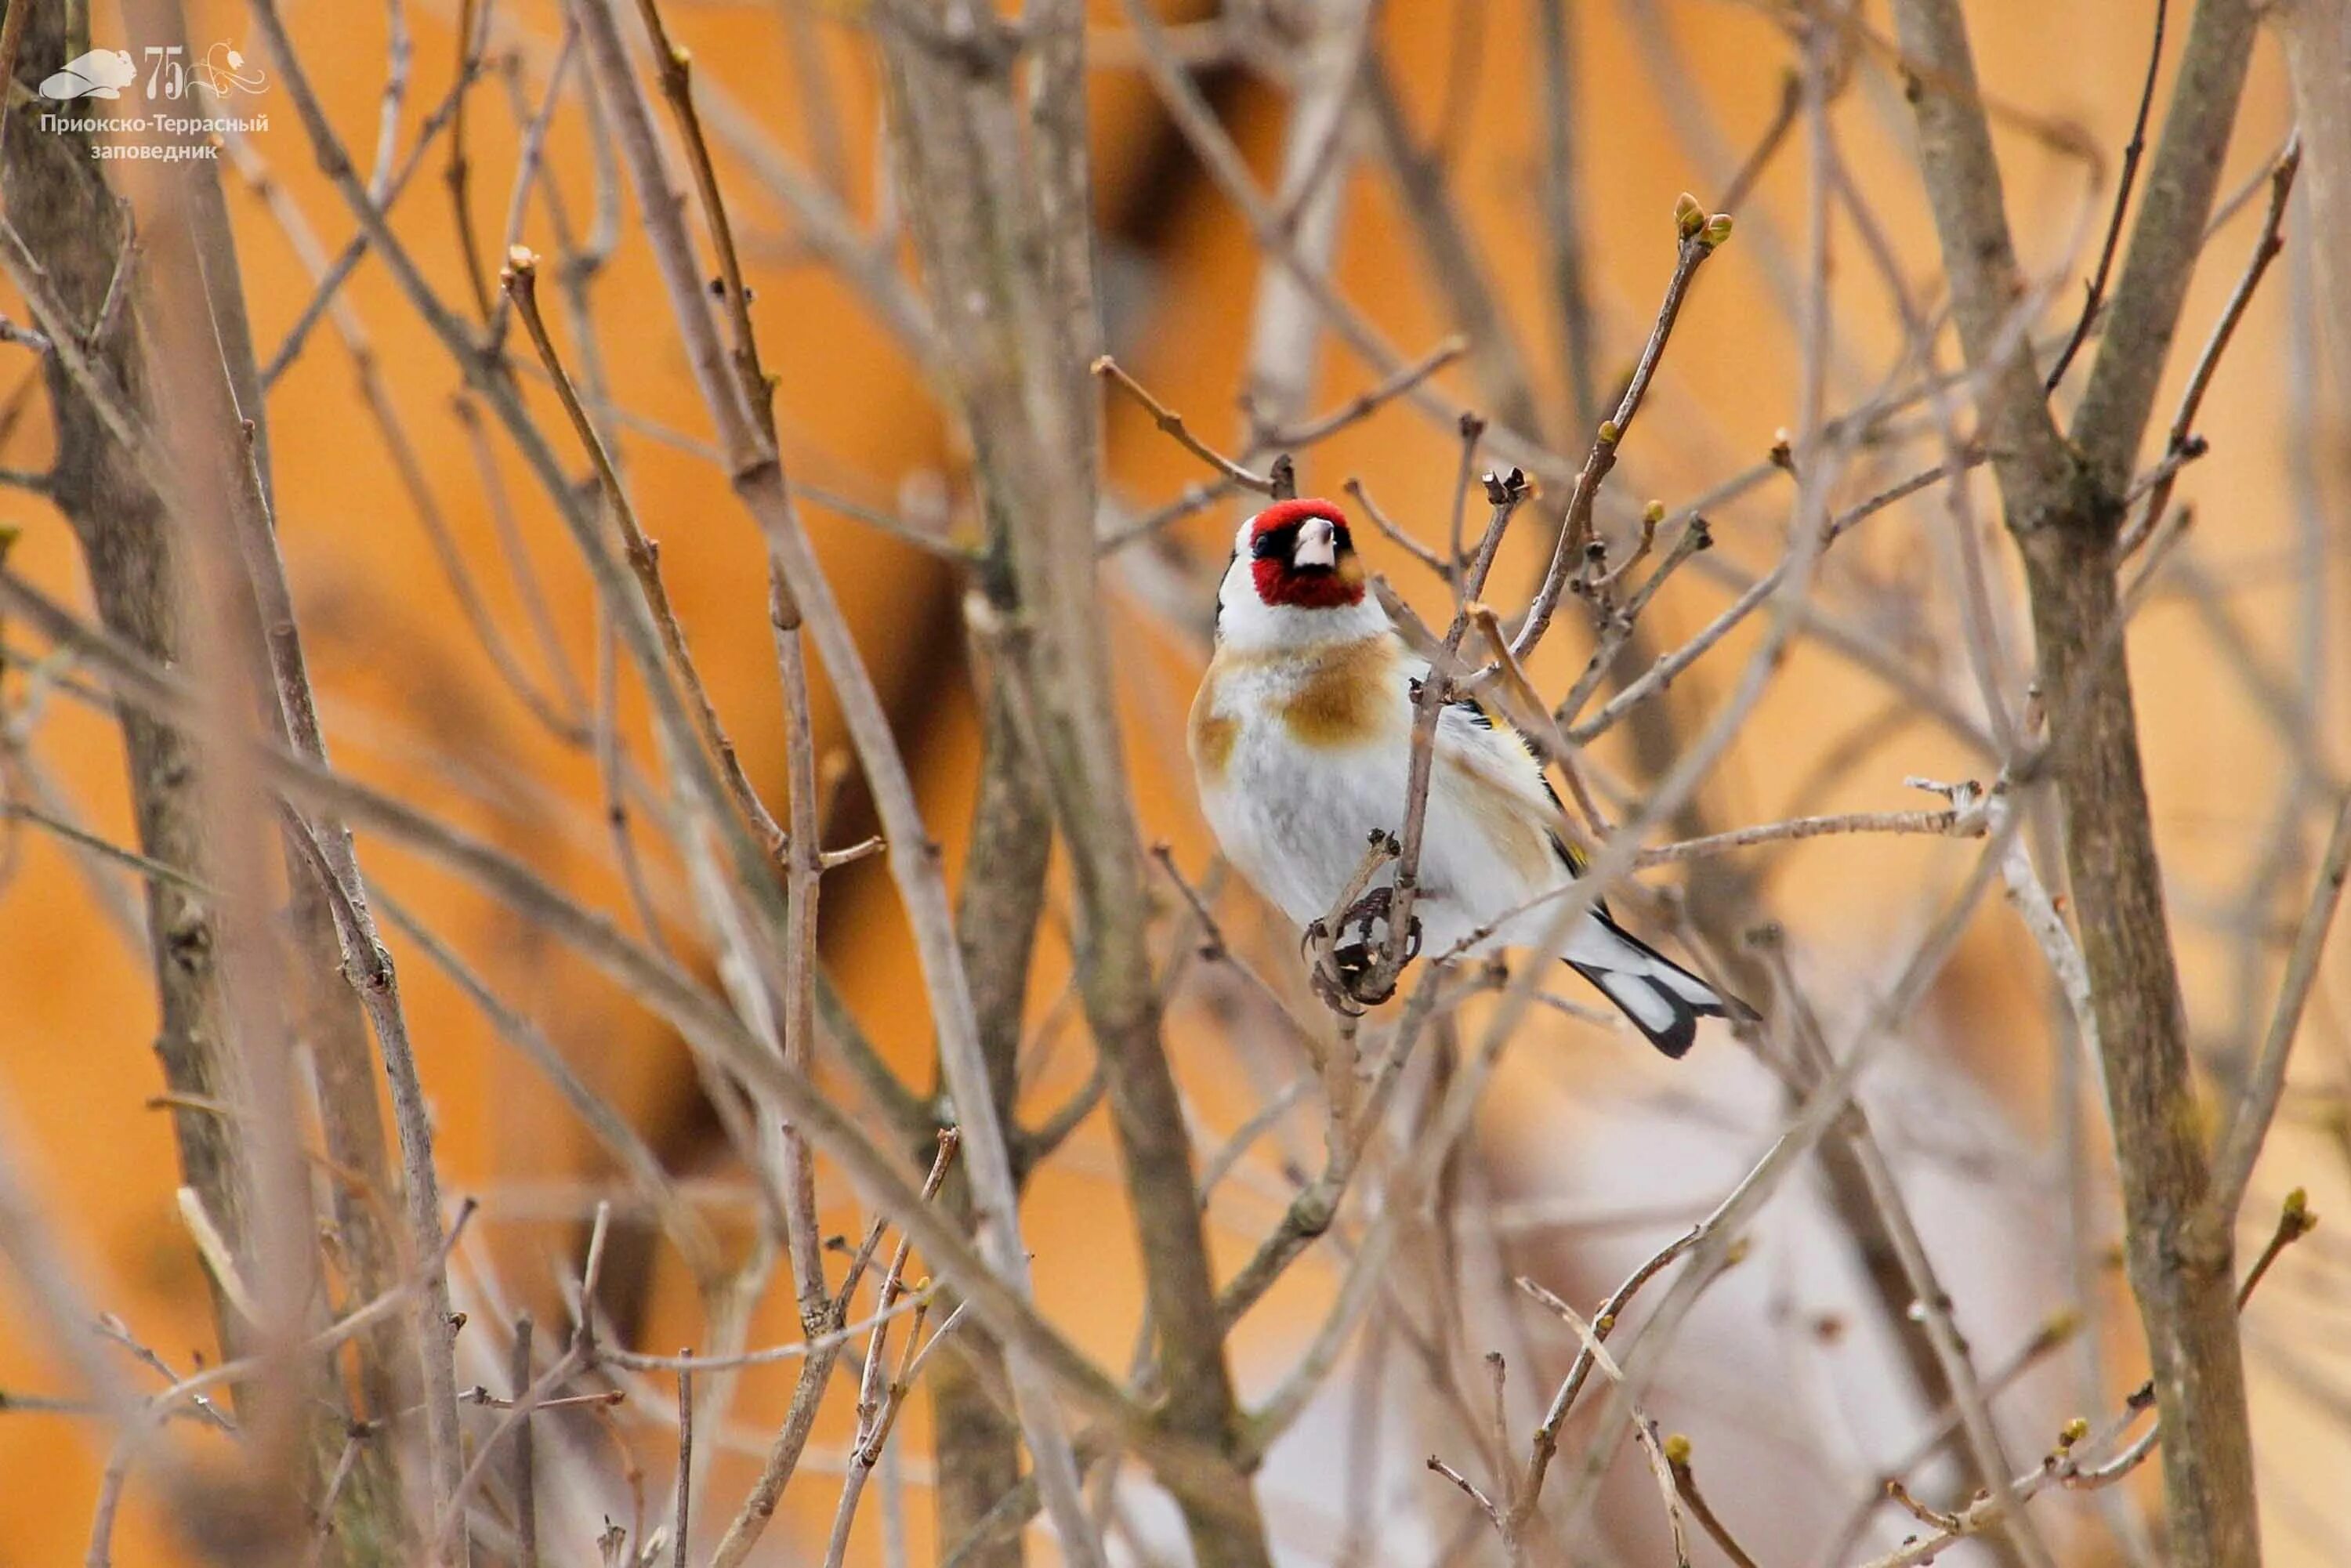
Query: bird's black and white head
x: 1294, y: 578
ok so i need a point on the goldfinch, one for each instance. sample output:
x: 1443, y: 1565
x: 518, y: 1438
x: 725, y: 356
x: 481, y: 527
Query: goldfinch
x: 1301, y: 737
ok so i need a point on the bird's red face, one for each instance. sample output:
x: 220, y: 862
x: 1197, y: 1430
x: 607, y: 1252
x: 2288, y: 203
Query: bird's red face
x: 1301, y: 557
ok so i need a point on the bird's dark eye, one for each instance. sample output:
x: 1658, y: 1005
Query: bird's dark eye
x: 1274, y: 544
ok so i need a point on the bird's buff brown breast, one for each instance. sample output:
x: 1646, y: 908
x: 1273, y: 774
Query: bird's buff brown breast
x: 1210, y: 734
x: 1347, y: 694
x: 1340, y: 695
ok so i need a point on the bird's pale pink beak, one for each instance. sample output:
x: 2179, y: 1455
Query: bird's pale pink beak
x: 1317, y: 544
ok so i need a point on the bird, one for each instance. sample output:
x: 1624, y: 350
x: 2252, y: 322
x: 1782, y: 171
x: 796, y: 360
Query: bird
x: 1301, y: 741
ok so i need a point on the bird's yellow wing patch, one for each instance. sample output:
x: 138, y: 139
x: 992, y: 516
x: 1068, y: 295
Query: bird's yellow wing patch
x: 1498, y: 811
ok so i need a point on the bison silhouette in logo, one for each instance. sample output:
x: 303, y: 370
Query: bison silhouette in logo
x: 101, y: 73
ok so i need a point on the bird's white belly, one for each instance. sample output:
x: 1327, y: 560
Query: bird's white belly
x: 1298, y: 823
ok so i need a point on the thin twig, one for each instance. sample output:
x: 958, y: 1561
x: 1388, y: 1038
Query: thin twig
x: 1196, y: 498
x: 1946, y: 824
x: 1698, y: 237
x: 1505, y: 494
x: 794, y: 1350
x: 1544, y: 1445
x: 2232, y: 1165
x: 2199, y: 380
x: 1657, y: 677
x: 580, y: 1357
x: 1169, y: 421
x: 105, y: 849
x: 1411, y: 546
x: 878, y: 1401
x: 400, y: 56
x: 525, y: 1466
x: 520, y: 281
x: 1677, y: 1456
x: 327, y: 294
x: 1468, y: 1489
x: 2093, y: 292
x: 1365, y: 403
x: 472, y: 26
x: 529, y: 162
x: 1645, y: 1431
x: 683, y: 1525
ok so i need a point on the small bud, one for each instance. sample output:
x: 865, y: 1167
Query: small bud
x: 1689, y: 218
x: 521, y: 261
x: 2073, y: 1432
x: 1652, y: 513
x: 2297, y: 1221
x: 1717, y: 230
x: 1677, y: 1450
x: 1609, y: 433
x: 1784, y: 450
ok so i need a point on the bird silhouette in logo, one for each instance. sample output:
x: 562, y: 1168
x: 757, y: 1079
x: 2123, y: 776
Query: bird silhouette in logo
x: 101, y: 73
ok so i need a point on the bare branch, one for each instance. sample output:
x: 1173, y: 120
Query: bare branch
x: 2093, y: 292
x: 2166, y: 239
x: 1172, y: 422
x: 1677, y: 1455
x: 2233, y: 1165
x: 1698, y: 237
x: 2199, y: 380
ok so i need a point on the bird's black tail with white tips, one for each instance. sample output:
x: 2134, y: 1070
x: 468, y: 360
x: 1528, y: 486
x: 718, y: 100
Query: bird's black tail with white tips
x: 1661, y: 998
